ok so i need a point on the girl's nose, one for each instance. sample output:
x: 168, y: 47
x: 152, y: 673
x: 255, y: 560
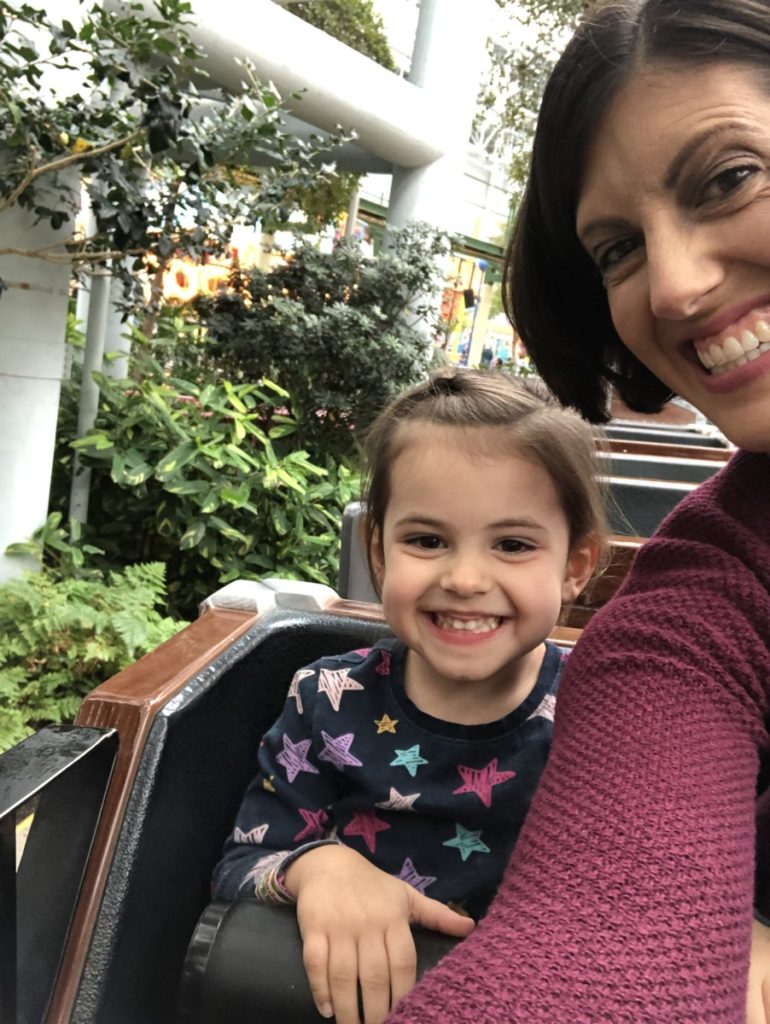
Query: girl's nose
x: 682, y: 269
x: 465, y: 575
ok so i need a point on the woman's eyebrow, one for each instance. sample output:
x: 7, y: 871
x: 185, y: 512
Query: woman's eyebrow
x: 602, y: 226
x: 691, y: 147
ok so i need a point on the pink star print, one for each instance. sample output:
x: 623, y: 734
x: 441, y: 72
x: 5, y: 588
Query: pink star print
x: 398, y: 801
x: 294, y: 758
x: 545, y: 709
x: 383, y: 669
x: 365, y: 824
x: 333, y: 682
x: 337, y: 750
x: 254, y: 835
x: 294, y: 688
x: 481, y: 780
x: 314, y: 824
x: 408, y: 873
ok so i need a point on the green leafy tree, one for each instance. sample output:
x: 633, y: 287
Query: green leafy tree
x: 521, y: 59
x: 336, y: 330
x: 356, y: 23
x: 163, y: 168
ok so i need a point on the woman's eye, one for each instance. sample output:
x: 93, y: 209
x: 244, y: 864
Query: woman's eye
x: 609, y: 256
x: 427, y: 541
x: 727, y: 181
x: 511, y: 546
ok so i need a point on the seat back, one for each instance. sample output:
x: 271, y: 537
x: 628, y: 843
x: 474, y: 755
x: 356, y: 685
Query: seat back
x: 198, y: 758
x: 637, y: 507
x: 648, y: 467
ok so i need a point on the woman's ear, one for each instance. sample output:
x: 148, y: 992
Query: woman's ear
x: 581, y: 565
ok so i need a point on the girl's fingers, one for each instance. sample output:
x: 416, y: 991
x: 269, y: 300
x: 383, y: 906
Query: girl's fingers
x: 402, y: 957
x: 343, y: 980
x: 374, y: 973
x: 315, y: 956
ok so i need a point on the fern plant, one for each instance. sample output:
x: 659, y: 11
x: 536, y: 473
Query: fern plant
x: 59, y: 638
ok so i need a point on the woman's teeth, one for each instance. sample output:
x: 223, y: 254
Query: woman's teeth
x: 736, y: 350
x: 485, y: 625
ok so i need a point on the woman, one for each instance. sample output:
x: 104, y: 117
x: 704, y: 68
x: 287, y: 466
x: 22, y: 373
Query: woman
x: 642, y: 260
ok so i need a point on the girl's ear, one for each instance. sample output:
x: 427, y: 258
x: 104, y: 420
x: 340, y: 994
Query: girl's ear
x: 376, y: 553
x: 581, y: 564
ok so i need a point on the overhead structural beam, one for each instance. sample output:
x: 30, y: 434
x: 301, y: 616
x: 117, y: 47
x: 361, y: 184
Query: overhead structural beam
x: 392, y: 118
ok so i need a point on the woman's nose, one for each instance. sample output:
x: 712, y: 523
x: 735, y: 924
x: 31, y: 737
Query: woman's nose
x: 682, y: 269
x: 465, y: 575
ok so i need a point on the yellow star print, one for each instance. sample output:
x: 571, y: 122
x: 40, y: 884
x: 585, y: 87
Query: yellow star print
x: 386, y: 724
x: 268, y: 785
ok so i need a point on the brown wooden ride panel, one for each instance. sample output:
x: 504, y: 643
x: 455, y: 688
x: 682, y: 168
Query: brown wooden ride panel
x: 664, y: 451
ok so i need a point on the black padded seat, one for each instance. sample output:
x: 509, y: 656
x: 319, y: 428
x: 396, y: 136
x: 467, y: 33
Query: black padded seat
x: 199, y: 756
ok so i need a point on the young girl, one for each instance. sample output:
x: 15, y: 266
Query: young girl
x: 393, y: 786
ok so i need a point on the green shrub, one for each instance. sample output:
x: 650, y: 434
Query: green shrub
x: 203, y: 475
x: 59, y: 638
x: 341, y: 333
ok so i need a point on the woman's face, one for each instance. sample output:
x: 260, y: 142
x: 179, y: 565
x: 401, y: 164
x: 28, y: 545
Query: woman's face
x: 675, y: 211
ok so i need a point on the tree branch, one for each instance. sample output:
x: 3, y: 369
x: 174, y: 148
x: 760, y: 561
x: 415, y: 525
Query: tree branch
x: 66, y: 161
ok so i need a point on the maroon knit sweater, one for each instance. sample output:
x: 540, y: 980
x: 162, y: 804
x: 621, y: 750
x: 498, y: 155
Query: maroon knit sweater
x: 629, y: 895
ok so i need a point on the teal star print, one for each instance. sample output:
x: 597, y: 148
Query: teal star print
x: 409, y: 759
x: 467, y: 842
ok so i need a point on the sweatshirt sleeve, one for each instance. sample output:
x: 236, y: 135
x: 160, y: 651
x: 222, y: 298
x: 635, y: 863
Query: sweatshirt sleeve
x: 284, y: 811
x: 629, y: 893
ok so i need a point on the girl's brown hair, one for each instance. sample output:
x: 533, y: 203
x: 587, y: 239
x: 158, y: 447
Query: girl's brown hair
x: 529, y: 423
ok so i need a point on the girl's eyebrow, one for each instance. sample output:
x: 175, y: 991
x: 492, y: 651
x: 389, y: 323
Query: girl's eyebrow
x: 501, y: 524
x: 418, y: 520
x: 514, y: 524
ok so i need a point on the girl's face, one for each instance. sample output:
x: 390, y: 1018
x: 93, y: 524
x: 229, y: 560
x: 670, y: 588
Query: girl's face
x: 474, y: 564
x: 675, y: 211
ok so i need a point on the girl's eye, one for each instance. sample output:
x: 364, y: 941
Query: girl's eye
x: 609, y: 256
x: 511, y: 546
x: 426, y: 541
x: 727, y: 181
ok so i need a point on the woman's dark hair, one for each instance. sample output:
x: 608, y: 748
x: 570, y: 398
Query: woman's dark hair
x: 516, y: 415
x: 553, y: 292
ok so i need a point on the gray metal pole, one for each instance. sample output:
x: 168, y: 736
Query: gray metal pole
x: 93, y: 357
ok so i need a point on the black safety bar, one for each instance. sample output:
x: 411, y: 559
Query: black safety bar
x: 63, y: 771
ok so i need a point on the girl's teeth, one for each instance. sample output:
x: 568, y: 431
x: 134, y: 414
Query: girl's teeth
x: 485, y: 625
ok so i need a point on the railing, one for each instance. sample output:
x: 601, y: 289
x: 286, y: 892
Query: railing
x: 65, y: 771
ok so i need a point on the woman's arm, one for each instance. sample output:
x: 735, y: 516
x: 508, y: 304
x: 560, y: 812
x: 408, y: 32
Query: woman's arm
x: 629, y: 894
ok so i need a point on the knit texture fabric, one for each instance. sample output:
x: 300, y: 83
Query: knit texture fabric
x: 629, y: 893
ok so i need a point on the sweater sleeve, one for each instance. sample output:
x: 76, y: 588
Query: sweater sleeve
x: 629, y: 893
x: 284, y: 810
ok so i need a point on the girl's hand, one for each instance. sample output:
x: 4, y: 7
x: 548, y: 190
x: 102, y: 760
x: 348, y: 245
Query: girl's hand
x: 758, y: 1005
x: 354, y: 919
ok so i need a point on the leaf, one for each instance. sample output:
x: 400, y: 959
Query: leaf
x: 193, y: 535
x: 175, y: 459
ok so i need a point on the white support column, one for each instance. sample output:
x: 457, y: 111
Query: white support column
x: 33, y: 314
x: 447, y: 61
